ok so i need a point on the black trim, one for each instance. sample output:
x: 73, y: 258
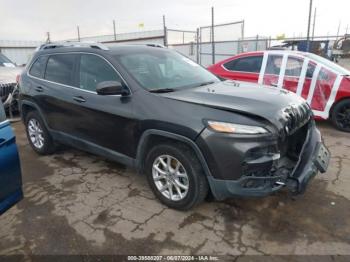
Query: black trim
x: 92, y: 148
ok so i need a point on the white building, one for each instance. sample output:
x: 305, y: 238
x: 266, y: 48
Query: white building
x: 18, y: 51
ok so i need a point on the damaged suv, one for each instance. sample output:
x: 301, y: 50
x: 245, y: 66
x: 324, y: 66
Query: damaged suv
x: 153, y: 109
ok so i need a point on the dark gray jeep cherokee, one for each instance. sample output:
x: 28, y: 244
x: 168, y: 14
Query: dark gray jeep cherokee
x: 153, y: 109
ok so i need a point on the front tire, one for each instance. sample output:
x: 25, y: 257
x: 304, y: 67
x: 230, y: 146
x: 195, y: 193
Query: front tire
x: 176, y: 176
x: 38, y: 136
x: 340, y: 116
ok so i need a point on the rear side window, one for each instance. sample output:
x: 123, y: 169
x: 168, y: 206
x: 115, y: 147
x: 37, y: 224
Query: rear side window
x: 274, y: 63
x: 310, y: 70
x: 250, y: 64
x: 294, y: 66
x: 94, y: 70
x: 38, y: 67
x: 60, y: 69
x: 2, y: 113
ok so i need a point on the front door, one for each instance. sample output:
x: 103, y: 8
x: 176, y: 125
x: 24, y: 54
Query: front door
x: 243, y: 68
x: 10, y: 170
x: 106, y: 121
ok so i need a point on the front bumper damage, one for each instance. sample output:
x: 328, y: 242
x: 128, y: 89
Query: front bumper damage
x: 313, y: 158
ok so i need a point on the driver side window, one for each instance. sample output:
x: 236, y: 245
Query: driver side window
x: 94, y: 70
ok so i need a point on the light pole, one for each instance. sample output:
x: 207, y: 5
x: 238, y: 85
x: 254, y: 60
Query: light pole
x: 313, y: 27
x: 308, y: 28
x: 212, y: 36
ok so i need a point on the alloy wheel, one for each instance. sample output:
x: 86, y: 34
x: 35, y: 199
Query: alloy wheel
x: 170, y: 177
x: 343, y: 117
x: 36, y: 133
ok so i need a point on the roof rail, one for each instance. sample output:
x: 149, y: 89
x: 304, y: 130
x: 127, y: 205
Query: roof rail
x: 72, y: 44
x: 148, y: 44
x: 155, y: 45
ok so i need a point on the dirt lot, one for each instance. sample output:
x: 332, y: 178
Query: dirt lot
x: 77, y: 203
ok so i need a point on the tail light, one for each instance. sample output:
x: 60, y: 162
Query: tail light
x: 18, y: 78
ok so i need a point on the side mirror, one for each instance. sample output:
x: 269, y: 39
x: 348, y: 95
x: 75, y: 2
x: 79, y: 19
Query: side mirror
x: 108, y: 88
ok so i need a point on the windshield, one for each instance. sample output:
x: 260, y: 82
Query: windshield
x: 328, y: 63
x: 4, y: 61
x: 164, y: 69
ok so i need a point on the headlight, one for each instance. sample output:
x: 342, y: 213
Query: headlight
x: 224, y: 127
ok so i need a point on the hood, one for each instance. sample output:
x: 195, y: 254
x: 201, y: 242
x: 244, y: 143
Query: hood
x: 284, y: 109
x: 8, y: 74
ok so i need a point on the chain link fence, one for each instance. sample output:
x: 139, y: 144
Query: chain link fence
x: 210, y: 44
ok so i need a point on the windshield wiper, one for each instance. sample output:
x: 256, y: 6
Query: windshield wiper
x: 162, y: 90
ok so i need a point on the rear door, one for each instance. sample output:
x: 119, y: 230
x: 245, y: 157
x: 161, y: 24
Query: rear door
x: 243, y: 68
x: 10, y: 170
x: 319, y: 95
x: 59, y: 82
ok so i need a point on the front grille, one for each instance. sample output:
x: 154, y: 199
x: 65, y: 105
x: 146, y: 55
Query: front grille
x: 297, y: 116
x: 5, y: 90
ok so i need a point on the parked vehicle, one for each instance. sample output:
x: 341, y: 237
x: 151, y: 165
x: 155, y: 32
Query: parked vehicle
x: 10, y: 170
x: 318, y: 47
x: 190, y: 133
x: 8, y: 73
x: 324, y: 84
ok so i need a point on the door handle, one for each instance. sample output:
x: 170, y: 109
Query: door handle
x: 79, y: 99
x: 274, y: 84
x: 39, y: 89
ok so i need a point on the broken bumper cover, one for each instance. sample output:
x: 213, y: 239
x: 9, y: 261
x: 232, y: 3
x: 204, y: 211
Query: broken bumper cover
x: 314, y: 157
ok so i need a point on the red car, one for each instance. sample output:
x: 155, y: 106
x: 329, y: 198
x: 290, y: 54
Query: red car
x: 324, y: 84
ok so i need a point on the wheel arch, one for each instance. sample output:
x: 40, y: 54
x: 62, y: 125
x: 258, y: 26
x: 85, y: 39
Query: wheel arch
x: 149, y: 136
x: 337, y: 102
x: 27, y: 106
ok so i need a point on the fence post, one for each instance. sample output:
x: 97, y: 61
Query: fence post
x: 243, y: 30
x: 212, y: 36
x: 165, y: 32
x: 78, y: 31
x: 48, y: 38
x: 197, y: 46
x: 114, y: 31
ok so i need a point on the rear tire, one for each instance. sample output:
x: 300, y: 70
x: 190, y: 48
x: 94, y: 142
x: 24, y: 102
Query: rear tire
x: 183, y: 181
x: 38, y: 136
x: 340, y: 115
